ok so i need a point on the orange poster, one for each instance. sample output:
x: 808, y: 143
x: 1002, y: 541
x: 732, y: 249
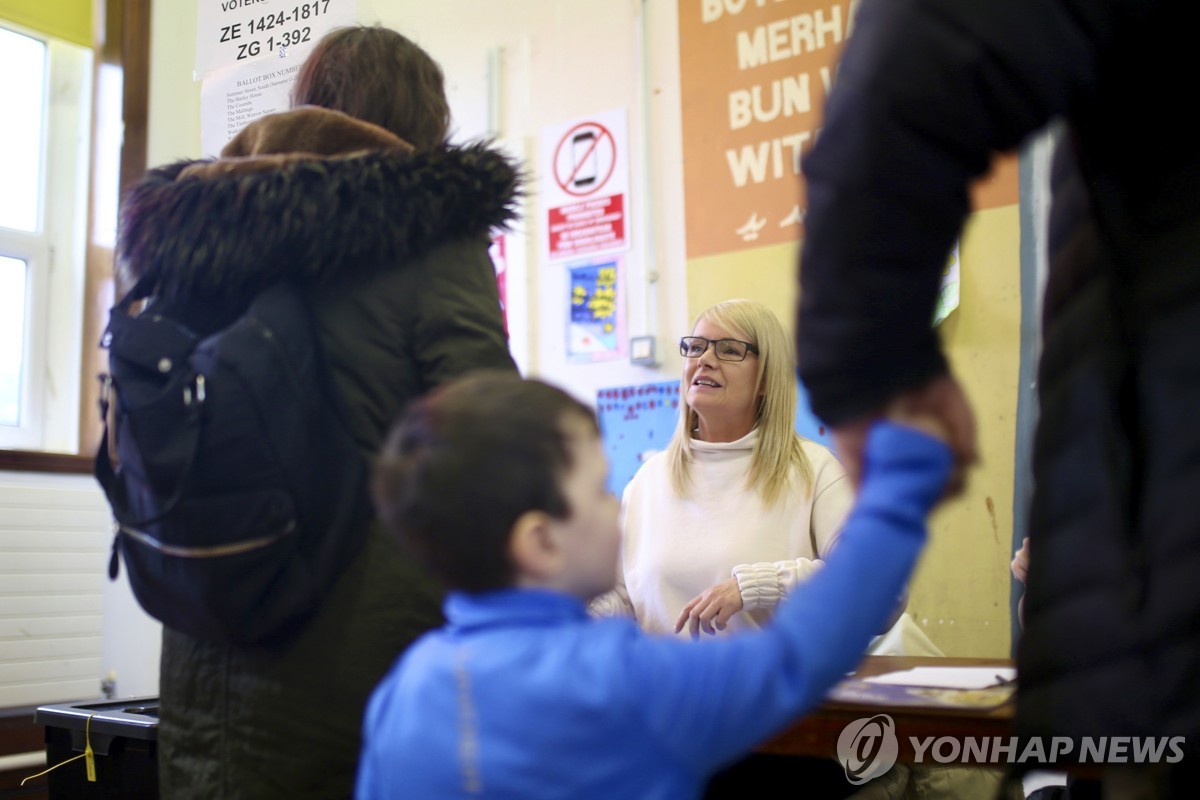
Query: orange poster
x: 754, y: 78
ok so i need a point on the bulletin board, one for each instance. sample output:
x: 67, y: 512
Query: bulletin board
x: 635, y: 423
x: 638, y: 421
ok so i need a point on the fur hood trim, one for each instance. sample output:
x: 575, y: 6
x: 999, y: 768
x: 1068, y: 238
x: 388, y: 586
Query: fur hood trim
x: 222, y: 233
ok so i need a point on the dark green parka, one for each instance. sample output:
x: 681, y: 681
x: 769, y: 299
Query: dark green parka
x: 393, y: 243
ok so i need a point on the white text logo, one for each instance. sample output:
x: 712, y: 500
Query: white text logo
x: 868, y: 747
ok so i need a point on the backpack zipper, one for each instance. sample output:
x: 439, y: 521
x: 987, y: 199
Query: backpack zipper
x: 210, y: 551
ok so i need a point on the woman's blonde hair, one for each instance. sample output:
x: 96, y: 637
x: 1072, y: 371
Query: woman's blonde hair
x: 778, y: 450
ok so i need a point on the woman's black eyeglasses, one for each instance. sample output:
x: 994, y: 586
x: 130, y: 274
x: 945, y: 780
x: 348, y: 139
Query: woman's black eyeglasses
x: 725, y: 349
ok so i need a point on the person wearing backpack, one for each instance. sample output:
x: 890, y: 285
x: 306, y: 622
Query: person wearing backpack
x: 354, y: 195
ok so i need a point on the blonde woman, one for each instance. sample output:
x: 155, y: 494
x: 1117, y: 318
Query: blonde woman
x: 738, y: 509
x: 736, y: 512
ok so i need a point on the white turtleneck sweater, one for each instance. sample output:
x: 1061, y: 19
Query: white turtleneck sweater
x: 675, y: 547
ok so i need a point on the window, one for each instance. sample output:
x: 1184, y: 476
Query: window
x: 21, y: 143
x: 12, y: 334
x: 43, y: 160
x: 21, y: 243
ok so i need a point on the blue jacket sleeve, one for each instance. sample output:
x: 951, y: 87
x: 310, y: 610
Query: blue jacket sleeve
x: 713, y: 700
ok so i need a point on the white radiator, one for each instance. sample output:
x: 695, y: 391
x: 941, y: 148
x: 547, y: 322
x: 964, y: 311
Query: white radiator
x: 64, y: 627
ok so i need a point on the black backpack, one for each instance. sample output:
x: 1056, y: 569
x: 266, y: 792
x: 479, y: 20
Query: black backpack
x: 238, y: 492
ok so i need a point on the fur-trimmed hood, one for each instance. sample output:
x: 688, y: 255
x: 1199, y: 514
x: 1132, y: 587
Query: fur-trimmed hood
x: 309, y: 194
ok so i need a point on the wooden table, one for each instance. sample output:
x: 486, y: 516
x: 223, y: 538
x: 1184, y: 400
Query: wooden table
x: 817, y: 733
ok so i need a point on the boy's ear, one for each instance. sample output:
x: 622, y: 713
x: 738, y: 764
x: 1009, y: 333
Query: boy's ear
x: 534, y: 547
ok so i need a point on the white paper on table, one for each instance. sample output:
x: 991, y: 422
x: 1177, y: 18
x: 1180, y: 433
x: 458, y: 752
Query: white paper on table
x: 948, y: 677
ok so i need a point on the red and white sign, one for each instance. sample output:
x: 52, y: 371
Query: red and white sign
x: 590, y: 226
x: 499, y: 254
x: 586, y: 185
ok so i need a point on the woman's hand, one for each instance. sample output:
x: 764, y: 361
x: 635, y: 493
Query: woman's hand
x: 1020, y: 571
x: 710, y: 610
x: 1020, y: 562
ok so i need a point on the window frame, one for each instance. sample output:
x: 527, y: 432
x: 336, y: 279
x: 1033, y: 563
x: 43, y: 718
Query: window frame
x: 33, y: 250
x: 122, y: 38
x: 33, y: 247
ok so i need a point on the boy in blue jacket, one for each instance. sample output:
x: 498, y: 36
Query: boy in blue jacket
x: 499, y: 485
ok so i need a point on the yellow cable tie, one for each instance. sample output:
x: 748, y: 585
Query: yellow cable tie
x: 86, y: 754
x: 56, y: 766
x: 89, y: 757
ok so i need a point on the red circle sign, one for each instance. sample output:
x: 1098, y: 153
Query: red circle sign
x: 589, y: 163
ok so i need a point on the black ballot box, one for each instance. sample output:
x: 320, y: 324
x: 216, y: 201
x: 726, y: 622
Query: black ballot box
x: 123, y: 736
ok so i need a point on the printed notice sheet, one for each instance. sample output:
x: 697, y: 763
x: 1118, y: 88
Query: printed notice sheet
x: 248, y: 53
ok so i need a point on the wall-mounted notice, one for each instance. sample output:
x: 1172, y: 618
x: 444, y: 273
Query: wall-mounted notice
x: 638, y: 421
x: 248, y: 53
x: 635, y: 423
x: 238, y: 31
x: 585, y: 185
x: 498, y: 250
x: 754, y: 78
x: 232, y: 98
x: 596, y: 315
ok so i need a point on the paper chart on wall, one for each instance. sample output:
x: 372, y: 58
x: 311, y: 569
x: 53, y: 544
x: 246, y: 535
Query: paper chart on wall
x: 230, y: 32
x: 230, y: 99
x: 248, y: 55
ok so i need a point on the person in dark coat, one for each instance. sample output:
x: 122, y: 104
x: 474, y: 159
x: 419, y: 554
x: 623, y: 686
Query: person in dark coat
x: 356, y: 194
x: 927, y: 91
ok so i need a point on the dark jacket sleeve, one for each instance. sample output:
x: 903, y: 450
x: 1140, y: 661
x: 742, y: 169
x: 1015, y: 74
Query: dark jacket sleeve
x: 926, y: 92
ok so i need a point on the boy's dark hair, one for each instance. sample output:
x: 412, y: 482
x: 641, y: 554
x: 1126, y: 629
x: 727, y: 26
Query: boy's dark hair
x: 465, y: 462
x: 378, y: 75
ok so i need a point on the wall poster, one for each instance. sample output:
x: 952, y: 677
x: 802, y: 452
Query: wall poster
x: 596, y: 309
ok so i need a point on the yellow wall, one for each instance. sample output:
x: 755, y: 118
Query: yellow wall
x: 63, y: 19
x: 766, y: 274
x: 961, y: 588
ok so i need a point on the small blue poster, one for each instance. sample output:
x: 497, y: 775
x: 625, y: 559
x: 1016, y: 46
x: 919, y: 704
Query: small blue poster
x: 596, y: 320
